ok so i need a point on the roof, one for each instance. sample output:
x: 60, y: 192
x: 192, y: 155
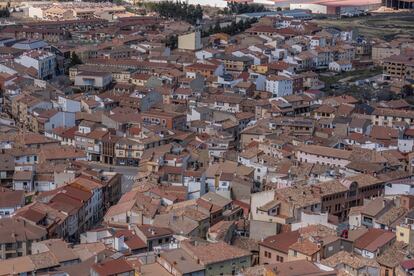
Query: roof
x: 182, y: 261
x: 350, y: 259
x: 374, y: 239
x: 9, y: 198
x: 113, y: 267
x: 296, y: 268
x: 305, y: 246
x: 18, y: 229
x: 22, y: 175
x: 60, y: 249
x: 216, y: 199
x: 151, y: 231
x: 325, y: 151
x: 281, y: 242
x: 214, y: 252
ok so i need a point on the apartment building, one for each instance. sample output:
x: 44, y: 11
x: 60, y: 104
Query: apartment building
x: 235, y: 63
x: 390, y: 117
x: 44, y: 63
x: 400, y: 67
x: 323, y: 155
x: 279, y: 85
x: 165, y: 119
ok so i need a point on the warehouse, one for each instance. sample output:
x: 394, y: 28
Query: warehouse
x: 397, y: 4
x: 335, y: 7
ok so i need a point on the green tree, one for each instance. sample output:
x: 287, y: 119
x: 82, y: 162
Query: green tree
x: 75, y: 59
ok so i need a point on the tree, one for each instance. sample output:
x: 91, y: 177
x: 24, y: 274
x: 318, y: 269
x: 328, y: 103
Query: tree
x: 178, y: 10
x: 75, y: 59
x: 4, y: 12
x: 172, y: 42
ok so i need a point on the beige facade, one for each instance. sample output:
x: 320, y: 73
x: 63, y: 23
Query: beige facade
x: 190, y: 41
x: 381, y: 52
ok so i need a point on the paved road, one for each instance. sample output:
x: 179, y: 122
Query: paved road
x: 128, y: 174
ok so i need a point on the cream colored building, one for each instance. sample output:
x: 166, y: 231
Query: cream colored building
x: 190, y: 41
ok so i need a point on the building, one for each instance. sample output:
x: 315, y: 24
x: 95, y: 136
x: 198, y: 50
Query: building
x: 348, y: 7
x: 275, y: 249
x: 399, y: 67
x: 340, y: 66
x: 165, y: 119
x: 218, y: 258
x: 17, y: 236
x: 279, y: 85
x: 44, y: 63
x: 323, y: 155
x: 190, y: 41
x: 93, y: 80
x: 390, y: 117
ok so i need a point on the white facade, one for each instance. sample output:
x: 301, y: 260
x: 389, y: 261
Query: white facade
x: 402, y: 188
x: 44, y: 185
x: 93, y: 81
x: 60, y: 119
x: 69, y: 105
x: 204, y: 54
x: 43, y: 62
x: 405, y: 145
x: 279, y: 88
x: 312, y: 219
x: 35, y: 12
x: 320, y: 159
x: 315, y: 8
x: 340, y: 67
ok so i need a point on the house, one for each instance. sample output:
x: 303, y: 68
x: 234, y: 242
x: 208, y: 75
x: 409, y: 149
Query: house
x: 340, y: 66
x: 23, y: 181
x: 299, y: 267
x: 351, y: 263
x: 364, y: 216
x: 113, y: 267
x: 154, y: 237
x: 47, y: 120
x: 179, y: 262
x: 279, y: 85
x: 235, y: 63
x: 373, y: 243
x: 275, y: 249
x: 170, y: 120
x: 7, y: 167
x: 10, y: 201
x: 17, y: 236
x: 204, y: 69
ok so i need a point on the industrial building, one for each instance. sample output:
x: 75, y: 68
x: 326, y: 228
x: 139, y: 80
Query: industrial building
x: 336, y: 7
x: 397, y: 4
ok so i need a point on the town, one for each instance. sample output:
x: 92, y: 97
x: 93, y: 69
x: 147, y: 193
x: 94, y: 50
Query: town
x: 254, y: 138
